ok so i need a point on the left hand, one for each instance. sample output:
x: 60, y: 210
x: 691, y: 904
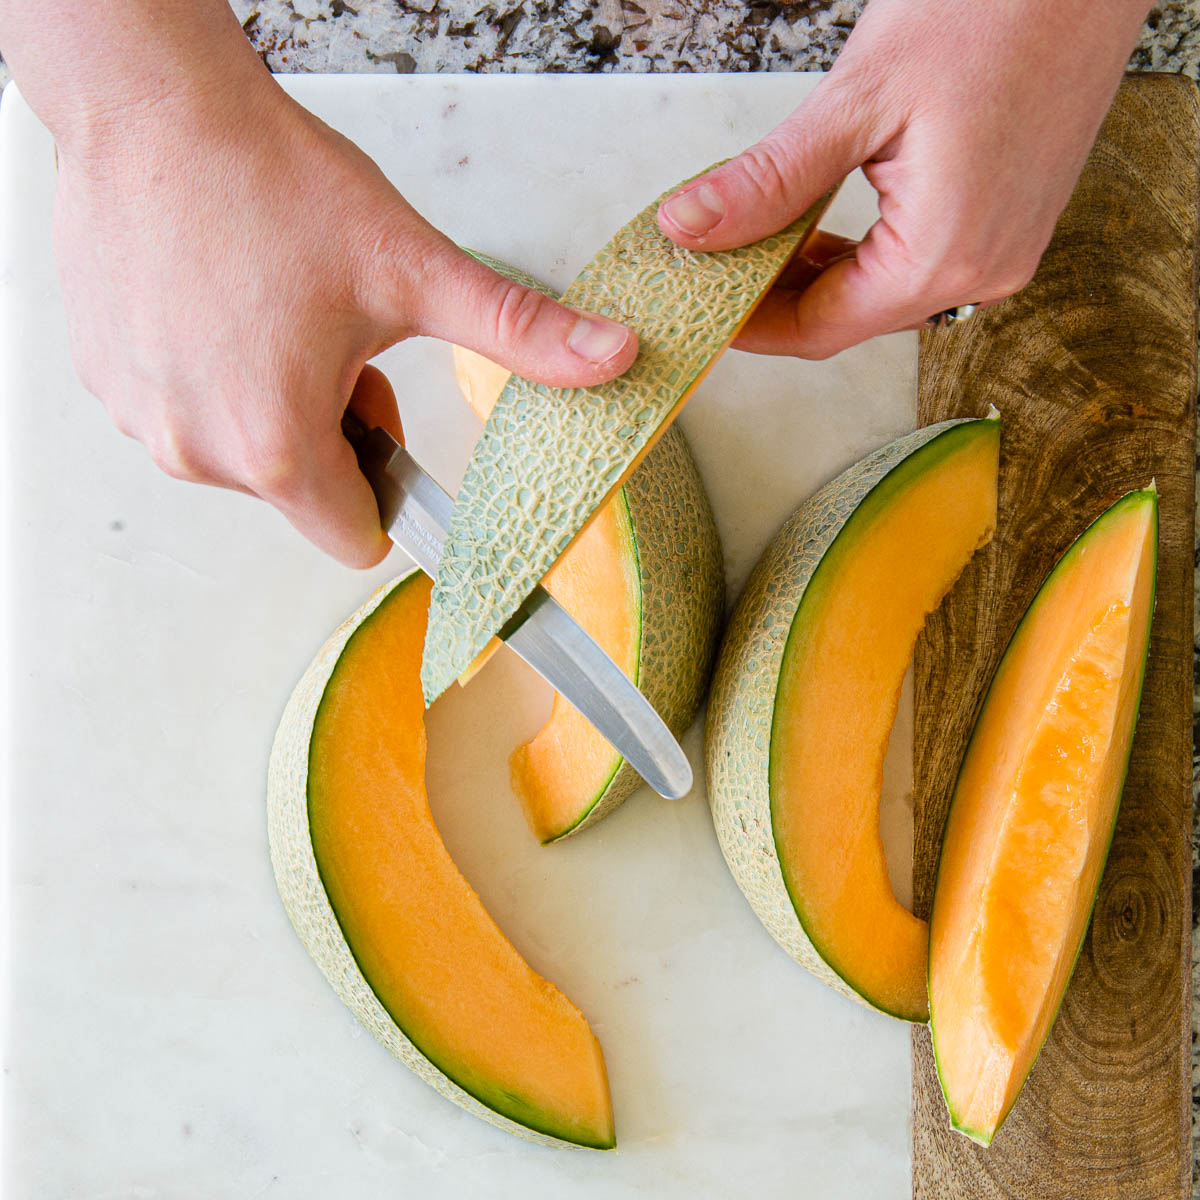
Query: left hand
x: 971, y: 121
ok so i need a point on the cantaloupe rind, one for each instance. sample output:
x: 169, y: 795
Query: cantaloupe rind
x: 549, y: 457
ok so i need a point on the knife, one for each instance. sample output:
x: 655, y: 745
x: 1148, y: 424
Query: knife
x: 415, y: 511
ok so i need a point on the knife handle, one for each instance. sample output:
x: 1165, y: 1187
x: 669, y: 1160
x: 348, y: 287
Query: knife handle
x: 373, y: 448
x: 415, y: 510
x: 353, y: 430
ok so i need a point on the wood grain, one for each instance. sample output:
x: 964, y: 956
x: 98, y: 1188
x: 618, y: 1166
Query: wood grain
x: 1093, y: 367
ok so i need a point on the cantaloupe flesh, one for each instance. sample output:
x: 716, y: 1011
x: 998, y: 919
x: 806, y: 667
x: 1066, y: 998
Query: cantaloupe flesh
x: 439, y: 965
x: 1033, y: 814
x: 849, y: 647
x: 561, y: 773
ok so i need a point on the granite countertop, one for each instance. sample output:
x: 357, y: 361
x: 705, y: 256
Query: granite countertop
x: 603, y: 35
x: 631, y: 36
x: 600, y: 35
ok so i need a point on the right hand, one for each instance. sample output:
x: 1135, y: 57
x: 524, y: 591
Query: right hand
x: 971, y: 121
x: 229, y: 264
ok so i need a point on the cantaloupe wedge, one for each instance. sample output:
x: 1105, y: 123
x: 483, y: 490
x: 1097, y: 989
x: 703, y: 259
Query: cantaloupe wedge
x: 549, y: 458
x: 806, y: 691
x: 645, y: 579
x: 383, y: 910
x: 1033, y: 814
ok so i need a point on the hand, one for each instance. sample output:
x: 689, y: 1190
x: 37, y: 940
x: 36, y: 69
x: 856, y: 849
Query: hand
x: 229, y: 264
x: 971, y: 121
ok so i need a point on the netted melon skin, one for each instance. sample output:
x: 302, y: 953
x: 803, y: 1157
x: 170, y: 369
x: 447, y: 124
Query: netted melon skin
x: 682, y: 580
x: 549, y: 457
x: 741, y: 705
x: 303, y: 894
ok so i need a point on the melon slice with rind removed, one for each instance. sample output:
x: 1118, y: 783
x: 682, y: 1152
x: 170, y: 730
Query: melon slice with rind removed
x: 1033, y: 814
x: 548, y: 458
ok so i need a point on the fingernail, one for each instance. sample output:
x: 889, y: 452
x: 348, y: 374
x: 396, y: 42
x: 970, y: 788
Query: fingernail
x: 596, y: 339
x: 695, y: 211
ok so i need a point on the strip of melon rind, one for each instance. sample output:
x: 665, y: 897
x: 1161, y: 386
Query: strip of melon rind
x: 304, y: 896
x: 742, y: 702
x: 548, y: 458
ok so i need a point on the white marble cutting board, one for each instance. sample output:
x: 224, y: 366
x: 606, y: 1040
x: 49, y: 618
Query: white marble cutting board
x: 166, y: 1034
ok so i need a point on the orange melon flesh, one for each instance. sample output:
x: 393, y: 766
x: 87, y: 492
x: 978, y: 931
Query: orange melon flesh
x: 846, y: 657
x: 561, y: 773
x: 439, y: 965
x: 1033, y: 813
x: 564, y: 769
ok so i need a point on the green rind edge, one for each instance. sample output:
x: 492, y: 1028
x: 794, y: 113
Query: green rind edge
x: 298, y: 879
x: 1137, y: 496
x: 545, y: 461
x: 741, y: 708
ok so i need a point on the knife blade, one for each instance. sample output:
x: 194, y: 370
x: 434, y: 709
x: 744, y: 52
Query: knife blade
x: 415, y: 510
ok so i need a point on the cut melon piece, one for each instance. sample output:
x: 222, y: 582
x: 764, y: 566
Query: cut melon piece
x: 1033, y: 814
x: 549, y: 458
x: 645, y: 579
x: 806, y: 692
x: 384, y: 912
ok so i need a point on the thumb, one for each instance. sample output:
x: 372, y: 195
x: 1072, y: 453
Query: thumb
x: 774, y: 181
x: 521, y: 328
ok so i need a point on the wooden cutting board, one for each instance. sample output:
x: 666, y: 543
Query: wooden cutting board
x: 1093, y: 367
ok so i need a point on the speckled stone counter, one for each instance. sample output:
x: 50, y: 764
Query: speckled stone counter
x: 600, y: 35
x: 627, y: 36
x: 603, y: 35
